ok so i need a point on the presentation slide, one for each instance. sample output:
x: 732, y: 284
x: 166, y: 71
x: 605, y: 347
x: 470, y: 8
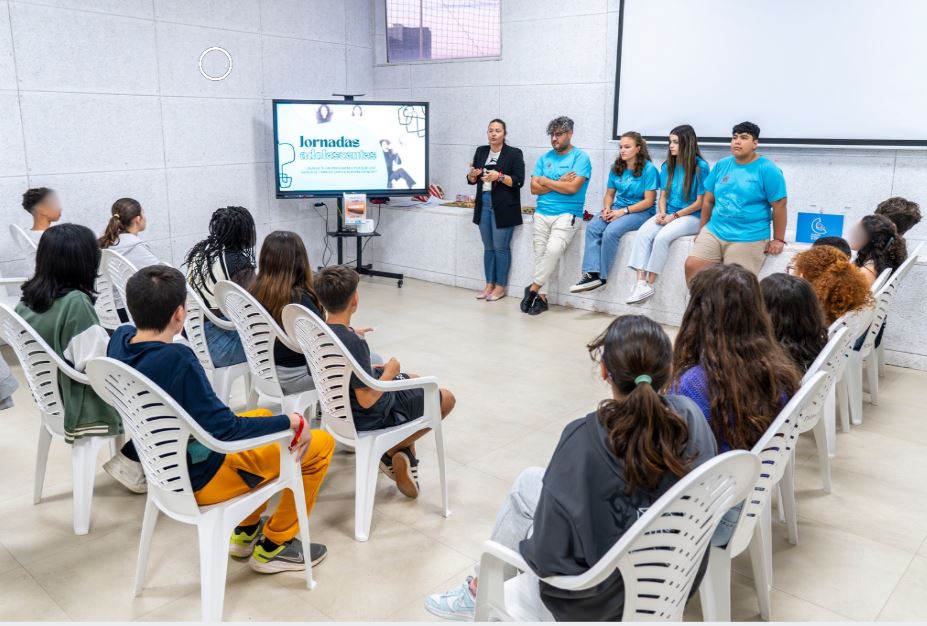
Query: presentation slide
x: 326, y: 148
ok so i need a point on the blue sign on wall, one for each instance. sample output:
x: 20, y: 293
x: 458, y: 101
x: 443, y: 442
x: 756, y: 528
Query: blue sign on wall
x: 813, y: 226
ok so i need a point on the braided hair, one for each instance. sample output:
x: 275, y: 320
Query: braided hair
x: 230, y: 228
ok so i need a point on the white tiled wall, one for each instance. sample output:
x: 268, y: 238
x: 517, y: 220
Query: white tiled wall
x: 559, y: 59
x: 103, y: 98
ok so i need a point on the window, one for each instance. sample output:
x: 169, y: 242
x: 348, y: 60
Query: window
x: 425, y: 30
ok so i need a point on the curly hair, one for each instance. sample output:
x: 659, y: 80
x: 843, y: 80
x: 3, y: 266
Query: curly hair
x: 727, y: 331
x: 34, y: 196
x: 884, y: 246
x: 839, y: 285
x: 903, y: 212
x: 643, y: 156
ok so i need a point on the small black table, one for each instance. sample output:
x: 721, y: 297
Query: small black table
x: 365, y: 270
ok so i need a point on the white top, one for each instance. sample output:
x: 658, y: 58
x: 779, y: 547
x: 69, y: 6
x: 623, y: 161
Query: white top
x: 491, y: 159
x: 35, y: 235
x: 135, y: 250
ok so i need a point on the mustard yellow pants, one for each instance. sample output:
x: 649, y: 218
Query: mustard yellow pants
x: 264, y: 462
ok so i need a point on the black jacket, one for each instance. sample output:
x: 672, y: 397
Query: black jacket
x: 585, y: 508
x: 506, y: 201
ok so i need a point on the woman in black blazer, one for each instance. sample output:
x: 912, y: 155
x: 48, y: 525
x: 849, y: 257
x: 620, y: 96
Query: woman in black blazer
x: 498, y: 171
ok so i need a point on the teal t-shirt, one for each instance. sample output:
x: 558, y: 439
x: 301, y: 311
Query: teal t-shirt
x: 553, y: 166
x: 629, y: 189
x: 743, y: 197
x: 676, y: 198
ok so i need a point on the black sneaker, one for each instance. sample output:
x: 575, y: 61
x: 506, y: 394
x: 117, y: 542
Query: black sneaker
x: 528, y: 300
x: 413, y: 462
x: 386, y: 466
x: 538, y: 307
x: 588, y: 282
x: 405, y: 480
x: 287, y: 557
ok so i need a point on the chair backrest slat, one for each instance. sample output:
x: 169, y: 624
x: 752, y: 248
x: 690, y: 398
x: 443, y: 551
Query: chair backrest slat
x: 105, y: 304
x: 832, y: 360
x: 258, y: 332
x: 159, y: 428
x: 774, y: 450
x: 23, y: 241
x: 194, y: 326
x: 330, y: 363
x: 118, y: 270
x: 660, y: 555
x: 42, y: 367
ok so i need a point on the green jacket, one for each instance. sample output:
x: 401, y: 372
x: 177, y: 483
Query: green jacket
x: 71, y: 328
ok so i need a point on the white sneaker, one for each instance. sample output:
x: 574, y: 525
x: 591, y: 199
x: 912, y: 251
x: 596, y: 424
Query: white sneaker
x: 646, y: 292
x: 642, y: 291
x: 127, y: 472
x: 635, y: 293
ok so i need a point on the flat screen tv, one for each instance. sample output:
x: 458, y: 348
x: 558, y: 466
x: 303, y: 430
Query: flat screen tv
x: 328, y: 147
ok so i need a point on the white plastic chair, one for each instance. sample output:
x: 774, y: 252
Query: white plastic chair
x: 850, y: 384
x: 118, y: 270
x: 880, y: 281
x: 754, y: 527
x: 221, y: 377
x: 105, y: 304
x: 8, y: 286
x: 258, y: 330
x: 161, y: 430
x: 658, y: 557
x: 23, y: 241
x: 332, y: 365
x: 880, y: 349
x: 41, y: 368
x: 832, y: 360
x: 866, y: 359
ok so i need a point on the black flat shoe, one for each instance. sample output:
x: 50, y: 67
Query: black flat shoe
x: 529, y: 299
x: 538, y: 306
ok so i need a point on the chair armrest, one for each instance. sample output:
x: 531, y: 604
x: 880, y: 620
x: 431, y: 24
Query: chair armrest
x: 495, y: 550
x: 12, y: 280
x: 428, y: 383
x: 490, y: 595
x: 218, y: 321
x: 78, y: 377
x: 229, y: 447
x: 286, y: 340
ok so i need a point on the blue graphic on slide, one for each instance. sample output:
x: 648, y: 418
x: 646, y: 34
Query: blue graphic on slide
x: 813, y: 226
x: 287, y: 151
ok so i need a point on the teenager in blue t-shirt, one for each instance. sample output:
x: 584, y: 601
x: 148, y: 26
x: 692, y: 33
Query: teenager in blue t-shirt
x: 559, y: 180
x: 682, y: 179
x: 628, y: 203
x: 743, y: 194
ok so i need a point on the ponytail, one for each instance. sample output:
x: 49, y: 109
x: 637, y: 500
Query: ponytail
x: 124, y: 211
x: 646, y: 435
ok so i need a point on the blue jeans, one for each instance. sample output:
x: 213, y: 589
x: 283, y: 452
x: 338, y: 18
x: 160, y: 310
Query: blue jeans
x: 224, y: 345
x: 497, y: 251
x: 602, y: 240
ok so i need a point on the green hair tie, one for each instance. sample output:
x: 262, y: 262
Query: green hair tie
x: 643, y: 378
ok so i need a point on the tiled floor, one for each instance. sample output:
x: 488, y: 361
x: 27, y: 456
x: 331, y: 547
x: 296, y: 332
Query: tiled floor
x: 862, y: 552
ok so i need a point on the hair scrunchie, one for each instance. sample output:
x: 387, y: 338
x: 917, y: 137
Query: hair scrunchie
x: 643, y: 378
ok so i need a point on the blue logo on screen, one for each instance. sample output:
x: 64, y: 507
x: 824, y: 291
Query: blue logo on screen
x: 813, y: 226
